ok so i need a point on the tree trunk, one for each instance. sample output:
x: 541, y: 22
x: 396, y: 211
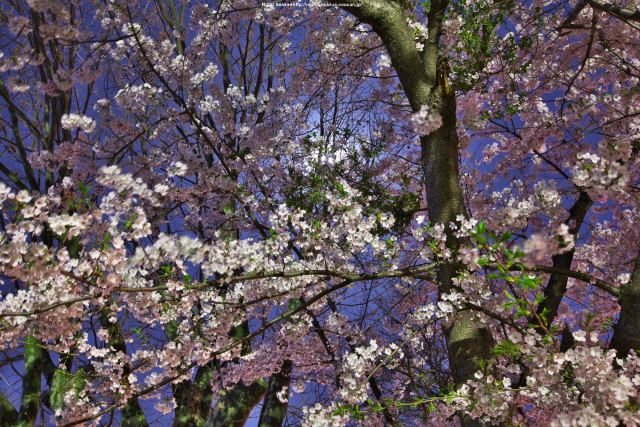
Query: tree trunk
x: 193, y: 399
x: 131, y: 413
x: 8, y: 414
x: 31, y: 376
x: 274, y: 410
x: 467, y: 339
x: 423, y: 76
x: 234, y: 405
x: 557, y: 284
x: 626, y: 334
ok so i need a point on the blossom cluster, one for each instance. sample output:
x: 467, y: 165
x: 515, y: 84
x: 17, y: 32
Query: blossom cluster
x: 359, y: 365
x: 72, y: 121
x: 426, y: 121
x: 586, y: 385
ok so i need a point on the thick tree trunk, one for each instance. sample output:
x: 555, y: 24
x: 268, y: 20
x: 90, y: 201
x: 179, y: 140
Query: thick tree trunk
x: 274, y: 410
x: 557, y: 284
x: 467, y: 339
x: 31, y: 382
x: 234, y: 405
x: 626, y: 334
x: 131, y: 413
x: 8, y: 414
x: 193, y: 400
x: 424, y: 80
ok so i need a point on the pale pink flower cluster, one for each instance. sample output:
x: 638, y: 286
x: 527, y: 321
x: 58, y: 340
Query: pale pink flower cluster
x: 515, y: 212
x: 383, y: 61
x: 177, y: 168
x: 463, y: 226
x: 356, y: 366
x: 320, y: 415
x: 72, y: 225
x: 420, y: 32
x: 600, y: 175
x: 205, y: 75
x: 425, y: 121
x: 73, y: 121
x: 450, y: 28
x: 448, y: 304
x: 541, y: 245
x: 582, y: 385
x: 469, y: 257
x: 126, y: 186
x: 138, y: 97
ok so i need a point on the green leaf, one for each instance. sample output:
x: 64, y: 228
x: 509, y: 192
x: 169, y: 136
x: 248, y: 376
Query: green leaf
x: 166, y: 270
x: 62, y: 383
x: 74, y: 247
x: 506, y: 348
x: 171, y: 329
x: 31, y: 352
x: 79, y: 381
x: 294, y: 304
x: 106, y: 241
x: 229, y: 208
x: 528, y: 283
x: 84, y: 189
x: 128, y: 224
x: 272, y: 233
x: 59, y: 387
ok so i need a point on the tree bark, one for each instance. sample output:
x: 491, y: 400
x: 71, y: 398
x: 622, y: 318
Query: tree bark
x: 131, y: 413
x: 193, y: 399
x: 423, y: 76
x: 626, y: 333
x: 557, y: 284
x: 8, y: 414
x: 31, y: 382
x: 274, y: 410
x: 234, y: 405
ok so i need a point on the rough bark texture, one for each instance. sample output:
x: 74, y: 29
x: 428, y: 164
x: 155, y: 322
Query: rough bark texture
x: 424, y: 79
x: 31, y: 376
x: 193, y: 400
x: 626, y: 334
x: 557, y: 284
x: 273, y: 410
x: 131, y: 413
x: 625, y: 14
x: 388, y: 21
x: 467, y: 339
x: 8, y: 414
x: 234, y: 405
x: 424, y: 82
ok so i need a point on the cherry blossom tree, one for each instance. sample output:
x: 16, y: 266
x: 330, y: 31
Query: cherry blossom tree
x: 372, y: 212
